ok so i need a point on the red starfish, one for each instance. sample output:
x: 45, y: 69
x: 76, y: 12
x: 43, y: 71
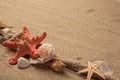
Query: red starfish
x: 25, y: 45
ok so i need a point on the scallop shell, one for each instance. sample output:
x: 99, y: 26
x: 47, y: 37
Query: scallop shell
x: 47, y: 52
x: 23, y: 63
x: 105, y: 68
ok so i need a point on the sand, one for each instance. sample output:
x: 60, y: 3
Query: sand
x: 80, y: 30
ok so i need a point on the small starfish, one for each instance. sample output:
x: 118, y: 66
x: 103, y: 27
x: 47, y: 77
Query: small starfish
x: 92, y: 68
x: 25, y: 45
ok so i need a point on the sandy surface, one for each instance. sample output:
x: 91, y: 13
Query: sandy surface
x: 86, y: 29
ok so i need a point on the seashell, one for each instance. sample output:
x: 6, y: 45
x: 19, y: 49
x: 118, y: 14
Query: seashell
x: 36, y: 61
x: 5, y: 30
x: 105, y: 68
x: 2, y: 25
x: 23, y: 63
x: 56, y: 65
x: 47, y: 52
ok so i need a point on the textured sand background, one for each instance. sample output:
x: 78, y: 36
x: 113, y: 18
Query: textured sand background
x: 80, y: 30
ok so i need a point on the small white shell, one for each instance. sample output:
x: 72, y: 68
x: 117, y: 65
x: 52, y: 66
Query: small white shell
x: 36, y: 61
x: 23, y: 63
x: 6, y: 30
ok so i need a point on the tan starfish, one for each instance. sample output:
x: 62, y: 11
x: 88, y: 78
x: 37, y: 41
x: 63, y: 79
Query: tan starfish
x: 92, y: 68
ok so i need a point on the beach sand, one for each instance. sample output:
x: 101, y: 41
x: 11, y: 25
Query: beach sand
x: 80, y: 30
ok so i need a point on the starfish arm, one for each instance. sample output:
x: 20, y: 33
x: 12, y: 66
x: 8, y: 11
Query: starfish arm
x: 10, y: 44
x: 99, y: 64
x: 15, y: 58
x: 90, y: 64
x: 38, y: 39
x: 83, y: 71
x: 34, y: 54
x: 26, y: 32
x: 89, y: 75
x: 20, y: 53
x: 96, y: 71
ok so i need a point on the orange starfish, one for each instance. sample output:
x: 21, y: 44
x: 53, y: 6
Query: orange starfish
x: 25, y: 45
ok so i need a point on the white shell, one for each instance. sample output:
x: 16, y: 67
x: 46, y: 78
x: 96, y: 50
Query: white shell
x: 105, y: 68
x: 36, y: 61
x: 23, y: 63
x: 6, y: 30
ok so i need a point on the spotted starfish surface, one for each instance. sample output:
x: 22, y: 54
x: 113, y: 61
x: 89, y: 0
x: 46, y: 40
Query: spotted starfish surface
x: 91, y: 69
x: 25, y: 45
